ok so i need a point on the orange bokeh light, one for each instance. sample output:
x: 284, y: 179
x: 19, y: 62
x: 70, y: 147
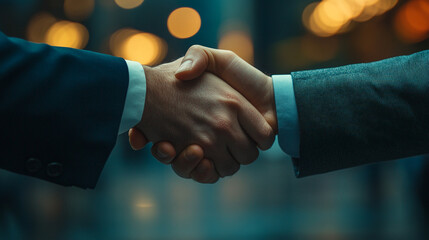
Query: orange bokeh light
x: 412, y: 21
x: 329, y: 17
x: 184, y: 22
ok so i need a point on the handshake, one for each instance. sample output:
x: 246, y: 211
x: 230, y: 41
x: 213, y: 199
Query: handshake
x: 207, y: 113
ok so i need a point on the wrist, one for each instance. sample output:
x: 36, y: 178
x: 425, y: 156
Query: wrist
x: 271, y: 115
x: 148, y: 72
x: 151, y: 80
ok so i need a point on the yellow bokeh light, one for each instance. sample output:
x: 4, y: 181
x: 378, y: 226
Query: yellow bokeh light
x: 144, y: 205
x: 145, y: 208
x: 330, y: 17
x: 78, y: 10
x: 142, y: 48
x: 134, y: 45
x: 353, y: 8
x: 128, y: 4
x: 369, y: 3
x: 321, y: 24
x: 306, y: 14
x: 240, y: 43
x: 38, y: 26
x: 367, y: 14
x: 184, y: 22
x: 384, y: 6
x: 118, y: 38
x: 67, y: 34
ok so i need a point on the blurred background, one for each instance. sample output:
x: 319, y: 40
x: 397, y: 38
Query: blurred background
x: 139, y: 198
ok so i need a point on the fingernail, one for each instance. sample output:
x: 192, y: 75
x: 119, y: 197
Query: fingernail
x: 190, y: 157
x: 185, y: 66
x: 202, y: 169
x: 161, y: 154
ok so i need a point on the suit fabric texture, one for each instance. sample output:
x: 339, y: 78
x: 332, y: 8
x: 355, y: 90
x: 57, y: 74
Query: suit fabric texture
x: 362, y: 113
x: 60, y: 110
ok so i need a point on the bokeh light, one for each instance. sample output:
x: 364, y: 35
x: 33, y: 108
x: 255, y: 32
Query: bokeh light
x: 239, y: 42
x: 78, y: 10
x: 412, y: 21
x: 330, y: 17
x: 118, y: 38
x: 39, y: 26
x: 67, y: 34
x: 300, y: 52
x: 128, y: 4
x: 184, y: 22
x: 131, y: 44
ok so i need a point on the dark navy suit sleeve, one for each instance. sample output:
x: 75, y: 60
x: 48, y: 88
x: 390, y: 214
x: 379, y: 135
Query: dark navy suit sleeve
x: 60, y: 110
x: 362, y: 113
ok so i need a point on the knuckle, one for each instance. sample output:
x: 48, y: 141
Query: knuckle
x: 190, y: 155
x: 229, y: 53
x: 195, y: 47
x: 207, y: 142
x: 267, y: 136
x: 163, y: 159
x: 231, y: 100
x: 223, y: 124
x: 204, y: 172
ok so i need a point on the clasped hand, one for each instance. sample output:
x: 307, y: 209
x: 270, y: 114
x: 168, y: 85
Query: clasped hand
x: 212, y: 108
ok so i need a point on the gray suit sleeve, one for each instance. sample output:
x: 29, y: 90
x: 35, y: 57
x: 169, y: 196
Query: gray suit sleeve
x: 362, y: 113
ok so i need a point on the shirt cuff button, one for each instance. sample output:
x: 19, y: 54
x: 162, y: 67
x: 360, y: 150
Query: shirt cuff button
x: 33, y: 165
x: 54, y: 169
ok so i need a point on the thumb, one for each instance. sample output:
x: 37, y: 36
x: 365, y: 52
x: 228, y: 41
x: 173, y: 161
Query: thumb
x: 137, y: 139
x: 242, y: 76
x: 193, y: 64
x: 254, y: 85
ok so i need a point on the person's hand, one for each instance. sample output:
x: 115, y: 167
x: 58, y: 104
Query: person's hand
x: 254, y: 85
x: 207, y: 112
x: 193, y: 155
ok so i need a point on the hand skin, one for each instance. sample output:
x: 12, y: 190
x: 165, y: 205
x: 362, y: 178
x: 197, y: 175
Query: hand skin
x: 204, y: 172
x: 207, y: 112
x: 253, y: 84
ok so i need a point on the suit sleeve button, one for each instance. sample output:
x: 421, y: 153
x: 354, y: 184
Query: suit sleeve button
x: 54, y: 169
x: 33, y: 165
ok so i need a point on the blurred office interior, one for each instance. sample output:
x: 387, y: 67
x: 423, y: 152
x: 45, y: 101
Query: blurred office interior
x: 139, y: 198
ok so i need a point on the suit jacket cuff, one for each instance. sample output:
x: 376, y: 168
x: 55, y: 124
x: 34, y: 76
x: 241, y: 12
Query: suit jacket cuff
x: 135, y: 99
x: 287, y: 114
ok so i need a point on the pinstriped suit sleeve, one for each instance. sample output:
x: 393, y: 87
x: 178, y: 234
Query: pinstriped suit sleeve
x: 362, y: 113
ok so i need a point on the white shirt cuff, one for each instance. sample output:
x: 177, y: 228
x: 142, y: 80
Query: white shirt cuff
x: 287, y: 114
x: 135, y: 99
